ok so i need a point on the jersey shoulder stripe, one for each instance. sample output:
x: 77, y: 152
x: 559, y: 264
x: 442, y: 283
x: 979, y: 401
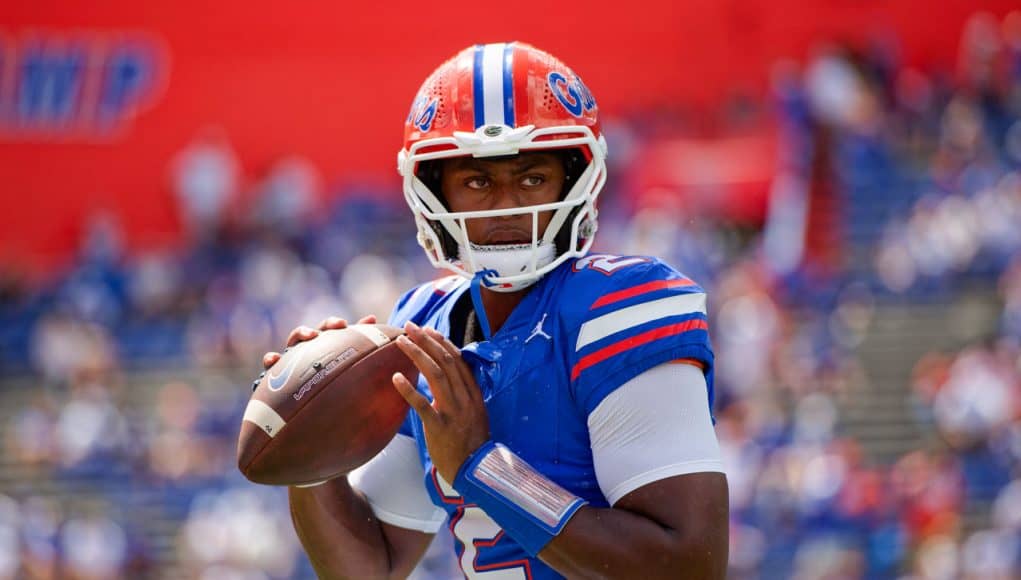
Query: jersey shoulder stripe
x: 446, y: 284
x: 417, y: 303
x: 638, y: 290
x: 636, y: 315
x: 627, y: 315
x: 636, y: 341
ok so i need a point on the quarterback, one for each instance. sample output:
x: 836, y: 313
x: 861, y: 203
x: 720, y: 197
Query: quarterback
x: 561, y: 425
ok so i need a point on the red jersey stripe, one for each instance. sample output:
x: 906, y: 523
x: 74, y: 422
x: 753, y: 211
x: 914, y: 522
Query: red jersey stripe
x: 637, y: 340
x: 639, y: 289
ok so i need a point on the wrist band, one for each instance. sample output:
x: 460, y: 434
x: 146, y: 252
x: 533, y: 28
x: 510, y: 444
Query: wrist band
x: 522, y: 501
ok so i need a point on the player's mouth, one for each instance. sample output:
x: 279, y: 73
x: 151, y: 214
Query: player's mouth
x: 507, y: 237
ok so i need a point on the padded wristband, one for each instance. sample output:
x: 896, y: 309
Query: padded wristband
x: 522, y: 501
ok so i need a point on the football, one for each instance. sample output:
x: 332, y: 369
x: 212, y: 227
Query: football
x: 326, y: 407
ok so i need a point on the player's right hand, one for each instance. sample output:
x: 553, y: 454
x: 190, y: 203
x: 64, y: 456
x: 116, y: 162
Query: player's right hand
x: 303, y: 333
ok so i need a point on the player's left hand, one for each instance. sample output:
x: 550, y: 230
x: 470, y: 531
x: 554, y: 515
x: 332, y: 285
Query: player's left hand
x: 456, y: 422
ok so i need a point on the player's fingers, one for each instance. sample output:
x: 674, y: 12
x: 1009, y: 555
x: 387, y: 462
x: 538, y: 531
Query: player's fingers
x: 332, y: 323
x: 415, y: 399
x: 301, y: 334
x: 430, y: 341
x: 427, y: 366
x: 269, y: 359
x: 460, y: 366
x: 433, y: 346
x: 370, y: 319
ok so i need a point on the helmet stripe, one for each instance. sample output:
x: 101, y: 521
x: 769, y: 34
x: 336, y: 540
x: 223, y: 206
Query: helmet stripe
x: 492, y: 83
x: 508, y: 84
x: 479, y: 106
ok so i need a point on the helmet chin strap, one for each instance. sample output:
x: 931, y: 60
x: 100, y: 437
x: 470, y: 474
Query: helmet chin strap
x: 480, y: 310
x: 496, y: 261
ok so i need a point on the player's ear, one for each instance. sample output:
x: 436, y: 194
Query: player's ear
x: 574, y: 164
x: 431, y: 174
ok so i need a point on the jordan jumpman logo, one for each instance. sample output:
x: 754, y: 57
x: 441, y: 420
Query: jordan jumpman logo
x: 538, y: 331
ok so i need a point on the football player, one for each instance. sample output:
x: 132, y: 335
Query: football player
x: 561, y: 425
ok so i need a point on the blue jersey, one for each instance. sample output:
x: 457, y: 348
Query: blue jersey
x: 582, y: 331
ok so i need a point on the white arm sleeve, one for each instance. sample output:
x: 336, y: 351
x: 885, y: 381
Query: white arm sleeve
x: 656, y: 425
x: 393, y: 481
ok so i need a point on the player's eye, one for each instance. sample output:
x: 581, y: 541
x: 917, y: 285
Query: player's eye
x: 533, y: 180
x: 476, y: 182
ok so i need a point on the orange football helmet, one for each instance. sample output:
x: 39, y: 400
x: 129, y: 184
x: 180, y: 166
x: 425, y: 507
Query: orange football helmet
x: 497, y: 100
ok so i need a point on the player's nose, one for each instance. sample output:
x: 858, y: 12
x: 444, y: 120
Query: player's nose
x: 505, y: 195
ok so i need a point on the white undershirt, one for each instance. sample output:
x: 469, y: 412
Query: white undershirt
x: 392, y: 482
x: 656, y: 425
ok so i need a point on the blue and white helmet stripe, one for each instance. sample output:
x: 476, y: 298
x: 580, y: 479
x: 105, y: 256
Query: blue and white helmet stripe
x: 493, y: 84
x: 508, y: 85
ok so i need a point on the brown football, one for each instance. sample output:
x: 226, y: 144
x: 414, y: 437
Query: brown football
x: 326, y: 407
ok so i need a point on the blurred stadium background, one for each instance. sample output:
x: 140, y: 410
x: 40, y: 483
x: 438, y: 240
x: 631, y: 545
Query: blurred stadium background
x: 187, y: 181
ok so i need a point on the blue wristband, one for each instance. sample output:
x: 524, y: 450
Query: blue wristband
x: 527, y: 505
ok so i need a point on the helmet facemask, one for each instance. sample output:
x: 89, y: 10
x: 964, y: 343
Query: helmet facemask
x: 507, y: 268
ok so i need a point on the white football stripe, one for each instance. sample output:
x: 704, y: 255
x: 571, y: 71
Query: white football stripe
x: 625, y: 318
x: 492, y: 83
x: 377, y: 336
x: 264, y: 417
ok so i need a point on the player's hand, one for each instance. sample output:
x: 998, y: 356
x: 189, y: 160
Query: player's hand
x: 456, y: 422
x: 303, y: 333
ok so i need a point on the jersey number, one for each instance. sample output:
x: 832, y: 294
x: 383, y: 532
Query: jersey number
x: 606, y: 263
x: 476, y: 530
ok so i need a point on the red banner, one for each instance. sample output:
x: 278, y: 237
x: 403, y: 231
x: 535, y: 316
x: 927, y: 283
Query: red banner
x: 97, y: 98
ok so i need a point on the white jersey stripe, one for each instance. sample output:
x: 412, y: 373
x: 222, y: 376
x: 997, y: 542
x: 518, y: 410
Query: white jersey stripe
x: 492, y: 83
x: 625, y: 318
x: 418, y: 292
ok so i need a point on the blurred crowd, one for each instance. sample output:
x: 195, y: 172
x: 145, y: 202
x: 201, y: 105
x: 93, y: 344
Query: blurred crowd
x: 118, y: 446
